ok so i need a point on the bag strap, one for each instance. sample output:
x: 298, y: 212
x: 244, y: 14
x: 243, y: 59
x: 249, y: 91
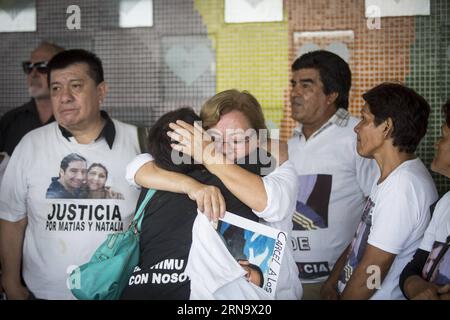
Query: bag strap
x: 137, y: 220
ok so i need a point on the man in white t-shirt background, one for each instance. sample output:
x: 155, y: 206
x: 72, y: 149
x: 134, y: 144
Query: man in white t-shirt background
x: 397, y: 212
x: 334, y: 180
x: 49, y: 235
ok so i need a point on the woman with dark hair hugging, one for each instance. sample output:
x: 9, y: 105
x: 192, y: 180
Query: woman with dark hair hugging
x: 166, y: 233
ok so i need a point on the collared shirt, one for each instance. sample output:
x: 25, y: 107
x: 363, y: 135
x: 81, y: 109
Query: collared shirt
x: 18, y: 122
x: 340, y: 118
x: 108, y: 132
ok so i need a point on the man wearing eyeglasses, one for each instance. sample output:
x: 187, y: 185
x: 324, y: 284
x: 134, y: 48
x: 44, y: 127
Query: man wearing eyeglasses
x: 36, y: 112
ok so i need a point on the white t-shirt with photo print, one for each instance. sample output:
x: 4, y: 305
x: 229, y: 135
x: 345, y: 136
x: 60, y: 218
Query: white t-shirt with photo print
x: 394, y: 220
x: 439, y: 228
x: 62, y: 233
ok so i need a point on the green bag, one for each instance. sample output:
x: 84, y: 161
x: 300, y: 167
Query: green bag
x: 106, y: 275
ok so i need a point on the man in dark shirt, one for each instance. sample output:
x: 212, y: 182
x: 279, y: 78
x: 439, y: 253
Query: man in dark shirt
x: 38, y: 111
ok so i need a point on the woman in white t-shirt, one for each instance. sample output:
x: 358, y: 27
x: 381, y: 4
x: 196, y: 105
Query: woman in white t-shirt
x: 427, y: 276
x: 397, y: 212
x: 236, y: 134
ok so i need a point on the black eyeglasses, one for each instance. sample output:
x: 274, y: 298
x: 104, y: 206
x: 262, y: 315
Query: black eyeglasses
x: 40, y: 66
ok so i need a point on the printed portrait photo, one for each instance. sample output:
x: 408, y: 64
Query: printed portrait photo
x: 251, y: 250
x: 79, y: 179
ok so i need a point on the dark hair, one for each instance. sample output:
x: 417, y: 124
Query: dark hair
x: 408, y: 110
x: 100, y: 166
x: 159, y: 142
x: 70, y: 158
x: 334, y: 73
x: 446, y: 112
x: 258, y: 270
x: 67, y: 58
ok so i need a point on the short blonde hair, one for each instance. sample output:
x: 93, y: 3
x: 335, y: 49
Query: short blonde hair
x: 232, y: 100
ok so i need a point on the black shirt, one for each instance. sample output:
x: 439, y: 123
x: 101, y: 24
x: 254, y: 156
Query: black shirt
x: 108, y: 132
x: 18, y: 122
x: 166, y: 238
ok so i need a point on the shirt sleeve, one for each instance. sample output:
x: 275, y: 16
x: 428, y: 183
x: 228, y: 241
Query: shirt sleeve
x: 14, y: 186
x: 135, y: 165
x: 413, y: 268
x: 437, y: 221
x: 395, y: 216
x: 281, y: 187
x: 430, y: 235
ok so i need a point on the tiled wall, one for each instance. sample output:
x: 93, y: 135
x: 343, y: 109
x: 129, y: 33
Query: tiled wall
x: 146, y: 79
x: 137, y: 61
x: 250, y: 56
x: 430, y: 73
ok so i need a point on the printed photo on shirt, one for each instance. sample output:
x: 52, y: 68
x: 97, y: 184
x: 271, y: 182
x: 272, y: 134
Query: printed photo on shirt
x: 313, y: 197
x: 359, y: 243
x: 313, y: 270
x: 437, y: 266
x: 257, y: 248
x: 79, y: 179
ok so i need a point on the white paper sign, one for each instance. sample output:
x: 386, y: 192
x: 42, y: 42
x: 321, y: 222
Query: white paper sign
x: 17, y: 16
